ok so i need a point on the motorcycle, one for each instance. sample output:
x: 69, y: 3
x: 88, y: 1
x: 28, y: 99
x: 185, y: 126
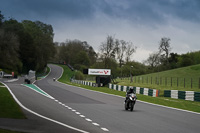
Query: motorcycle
x: 130, y: 101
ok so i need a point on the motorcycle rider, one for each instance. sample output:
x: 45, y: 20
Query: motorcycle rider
x: 131, y: 90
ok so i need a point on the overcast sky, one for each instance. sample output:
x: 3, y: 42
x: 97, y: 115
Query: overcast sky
x: 143, y: 22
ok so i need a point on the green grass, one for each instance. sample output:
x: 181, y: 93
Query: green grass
x: 176, y: 103
x: 8, y: 131
x: 42, y: 74
x: 67, y: 74
x: 168, y: 80
x: 8, y: 107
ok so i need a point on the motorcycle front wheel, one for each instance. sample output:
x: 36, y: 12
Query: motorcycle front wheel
x: 132, y: 106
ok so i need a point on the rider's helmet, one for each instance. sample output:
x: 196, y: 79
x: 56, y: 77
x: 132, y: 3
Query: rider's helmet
x: 131, y: 90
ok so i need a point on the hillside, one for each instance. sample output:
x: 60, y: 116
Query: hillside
x: 186, y: 79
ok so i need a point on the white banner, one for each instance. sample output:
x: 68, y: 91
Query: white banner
x: 99, y: 71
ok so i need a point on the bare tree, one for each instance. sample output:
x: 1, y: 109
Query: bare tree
x: 130, y: 50
x: 154, y: 59
x: 164, y: 46
x: 121, y: 47
x: 107, y: 49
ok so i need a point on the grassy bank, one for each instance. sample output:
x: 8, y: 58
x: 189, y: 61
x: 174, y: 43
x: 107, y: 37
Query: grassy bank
x: 8, y: 131
x: 184, y: 79
x: 41, y: 75
x: 8, y: 107
x: 176, y: 103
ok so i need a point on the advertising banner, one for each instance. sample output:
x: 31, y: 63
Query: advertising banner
x: 99, y: 72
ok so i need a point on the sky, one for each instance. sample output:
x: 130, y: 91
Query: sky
x: 142, y: 22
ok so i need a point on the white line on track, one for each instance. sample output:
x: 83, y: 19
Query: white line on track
x: 88, y: 119
x: 96, y: 124
x: 78, y: 113
x: 82, y: 116
x: 105, y: 129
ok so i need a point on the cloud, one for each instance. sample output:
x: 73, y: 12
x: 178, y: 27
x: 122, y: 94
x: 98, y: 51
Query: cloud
x: 143, y: 22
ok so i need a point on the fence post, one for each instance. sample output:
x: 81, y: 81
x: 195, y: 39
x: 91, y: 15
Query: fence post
x: 142, y: 80
x: 199, y: 83
x: 191, y: 83
x: 155, y: 80
x: 184, y: 82
x: 171, y: 81
x: 177, y: 81
x: 147, y: 79
x: 160, y: 80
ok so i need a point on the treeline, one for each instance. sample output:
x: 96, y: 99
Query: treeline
x: 25, y: 45
x: 78, y: 54
x: 164, y: 59
x: 29, y: 45
x: 115, y: 54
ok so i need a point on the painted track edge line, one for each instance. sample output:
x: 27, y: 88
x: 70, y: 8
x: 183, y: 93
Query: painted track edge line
x: 44, y: 117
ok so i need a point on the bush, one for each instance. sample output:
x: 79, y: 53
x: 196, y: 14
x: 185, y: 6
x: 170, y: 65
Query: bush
x: 79, y: 75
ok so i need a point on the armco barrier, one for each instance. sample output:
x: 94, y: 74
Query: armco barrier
x: 138, y: 90
x: 185, y: 95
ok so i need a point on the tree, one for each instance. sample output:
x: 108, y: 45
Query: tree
x: 130, y: 50
x: 42, y: 36
x: 153, y: 60
x: 76, y: 53
x: 9, y: 47
x: 121, y: 47
x: 173, y: 60
x: 108, y: 50
x: 164, y: 46
x: 1, y: 19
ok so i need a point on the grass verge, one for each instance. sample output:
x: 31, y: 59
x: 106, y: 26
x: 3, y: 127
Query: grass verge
x: 8, y: 107
x: 176, y: 103
x: 8, y: 131
x: 43, y: 74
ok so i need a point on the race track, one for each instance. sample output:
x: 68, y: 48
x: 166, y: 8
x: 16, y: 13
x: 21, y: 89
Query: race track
x: 88, y: 111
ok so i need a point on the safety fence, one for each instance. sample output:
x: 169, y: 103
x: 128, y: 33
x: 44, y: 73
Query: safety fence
x: 138, y: 90
x: 186, y: 95
x: 179, y: 82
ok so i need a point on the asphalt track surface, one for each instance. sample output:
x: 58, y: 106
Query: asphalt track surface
x: 76, y: 110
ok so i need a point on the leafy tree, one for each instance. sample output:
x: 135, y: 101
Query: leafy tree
x: 76, y: 53
x: 1, y: 19
x: 173, y: 60
x: 9, y: 47
x: 42, y: 35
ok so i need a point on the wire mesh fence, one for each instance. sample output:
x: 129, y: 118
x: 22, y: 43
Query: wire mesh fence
x: 179, y: 82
